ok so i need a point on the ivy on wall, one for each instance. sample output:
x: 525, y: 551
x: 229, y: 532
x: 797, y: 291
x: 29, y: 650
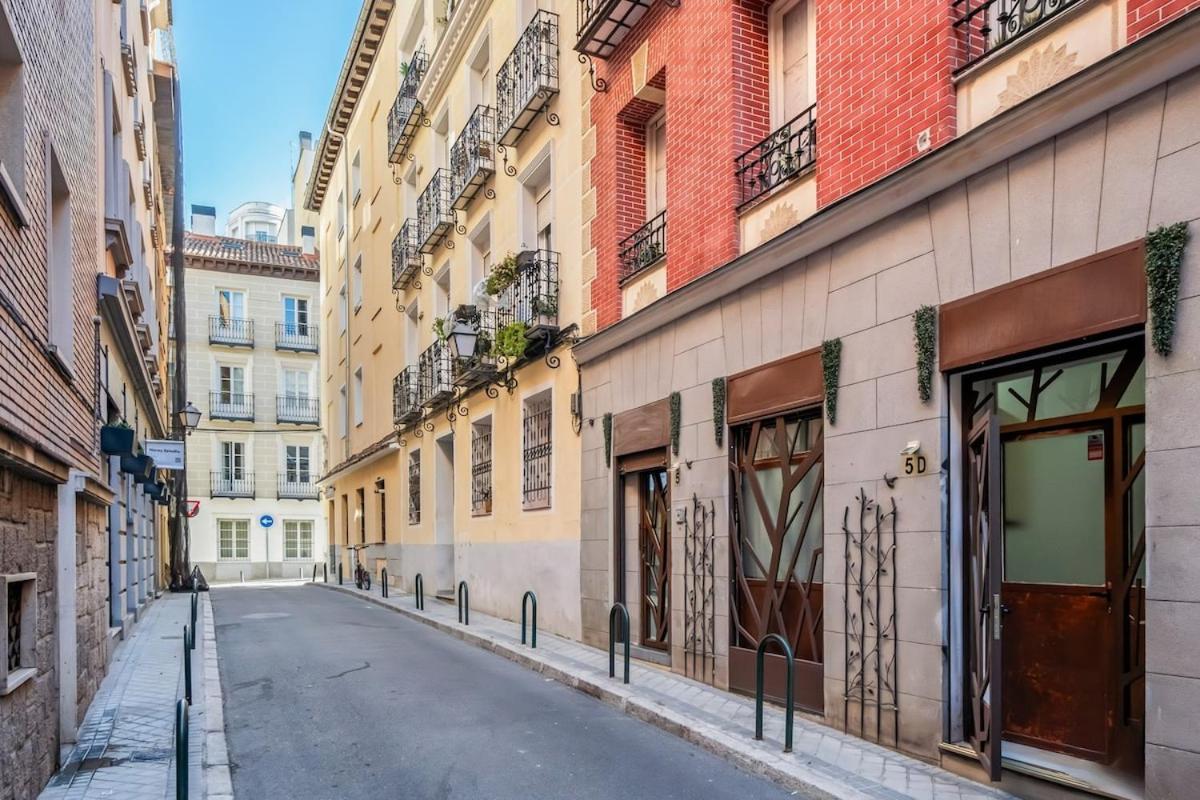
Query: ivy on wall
x: 831, y: 366
x: 925, y: 335
x: 1164, y: 257
x: 675, y: 414
x: 718, y: 400
x: 608, y: 439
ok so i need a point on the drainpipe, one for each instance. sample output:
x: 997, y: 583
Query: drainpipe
x: 345, y: 286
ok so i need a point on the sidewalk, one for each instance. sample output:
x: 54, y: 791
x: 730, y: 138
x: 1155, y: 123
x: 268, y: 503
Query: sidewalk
x: 824, y: 763
x: 126, y: 746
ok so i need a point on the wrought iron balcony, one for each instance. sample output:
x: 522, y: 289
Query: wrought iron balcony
x: 644, y: 247
x: 406, y: 255
x: 533, y: 296
x: 298, y: 410
x: 231, y: 405
x: 299, y: 337
x: 985, y: 26
x: 298, y: 487
x: 604, y: 24
x: 406, y: 396
x: 231, y: 484
x: 437, y: 374
x: 528, y: 78
x: 407, y: 110
x: 231, y: 331
x: 473, y: 158
x: 435, y: 219
x: 469, y: 372
x: 785, y: 154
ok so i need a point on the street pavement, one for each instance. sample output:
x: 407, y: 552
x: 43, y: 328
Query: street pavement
x: 328, y: 696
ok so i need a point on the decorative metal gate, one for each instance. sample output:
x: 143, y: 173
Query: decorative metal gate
x: 699, y: 584
x: 654, y: 544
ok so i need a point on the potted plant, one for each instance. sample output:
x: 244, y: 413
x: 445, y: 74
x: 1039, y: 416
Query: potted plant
x: 141, y: 467
x: 502, y: 276
x: 510, y: 341
x: 117, y: 439
x: 439, y: 328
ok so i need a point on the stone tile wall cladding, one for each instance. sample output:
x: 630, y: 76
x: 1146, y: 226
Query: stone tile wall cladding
x: 91, y: 561
x: 1096, y: 186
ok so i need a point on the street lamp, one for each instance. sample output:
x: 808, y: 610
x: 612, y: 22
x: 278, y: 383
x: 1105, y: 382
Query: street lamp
x: 189, y: 417
x: 463, y: 337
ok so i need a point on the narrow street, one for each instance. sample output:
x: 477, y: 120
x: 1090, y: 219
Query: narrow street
x: 329, y: 697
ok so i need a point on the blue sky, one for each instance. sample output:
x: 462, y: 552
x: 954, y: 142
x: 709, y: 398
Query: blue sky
x: 254, y: 73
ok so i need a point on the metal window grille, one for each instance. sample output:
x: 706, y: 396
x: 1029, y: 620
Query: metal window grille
x: 985, y: 26
x: 298, y: 336
x: 481, y: 471
x: 537, y: 452
x: 533, y: 296
x: 785, y: 154
x: 528, y: 78
x: 14, y: 626
x: 437, y: 374
x: 406, y: 395
x: 414, y: 488
x: 435, y: 219
x: 406, y: 256
x: 603, y: 24
x: 472, y: 158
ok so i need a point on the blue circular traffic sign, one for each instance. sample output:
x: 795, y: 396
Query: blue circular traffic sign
x: 266, y: 520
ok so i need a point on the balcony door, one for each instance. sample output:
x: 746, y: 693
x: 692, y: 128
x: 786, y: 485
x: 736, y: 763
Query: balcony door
x: 233, y: 462
x: 231, y: 306
x: 790, y: 39
x: 295, y: 316
x: 296, y: 465
x: 231, y: 394
x: 296, y: 392
x: 656, y: 165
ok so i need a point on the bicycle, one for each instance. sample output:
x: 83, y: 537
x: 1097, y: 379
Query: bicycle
x: 362, y: 576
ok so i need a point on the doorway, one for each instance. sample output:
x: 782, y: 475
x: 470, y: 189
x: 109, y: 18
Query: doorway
x: 654, y: 555
x: 444, y: 515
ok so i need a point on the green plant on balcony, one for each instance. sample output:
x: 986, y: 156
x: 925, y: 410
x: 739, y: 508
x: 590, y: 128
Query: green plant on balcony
x: 650, y: 253
x: 510, y: 340
x: 502, y: 276
x: 545, y: 306
x: 439, y: 328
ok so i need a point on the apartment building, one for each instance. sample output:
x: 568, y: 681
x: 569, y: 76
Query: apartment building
x: 448, y: 184
x: 897, y: 329
x: 252, y: 358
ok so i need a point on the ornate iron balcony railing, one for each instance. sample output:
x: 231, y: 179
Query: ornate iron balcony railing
x: 435, y: 219
x: 533, y: 296
x: 300, y: 487
x: 528, y: 78
x: 473, y: 158
x: 469, y: 372
x: 985, y: 26
x: 298, y: 336
x: 406, y: 396
x: 301, y: 410
x: 407, y: 110
x: 786, y: 153
x: 406, y: 255
x: 604, y: 24
x: 231, y: 484
x: 437, y: 374
x: 231, y: 331
x: 231, y: 405
x: 645, y: 246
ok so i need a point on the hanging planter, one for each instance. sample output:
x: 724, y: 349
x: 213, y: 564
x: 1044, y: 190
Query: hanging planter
x: 675, y: 416
x: 718, y: 401
x: 925, y: 335
x: 116, y: 440
x: 608, y: 439
x: 831, y: 366
x: 140, y: 467
x: 1164, y: 257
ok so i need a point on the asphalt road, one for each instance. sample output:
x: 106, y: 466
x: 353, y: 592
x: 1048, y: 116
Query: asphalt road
x: 327, y: 696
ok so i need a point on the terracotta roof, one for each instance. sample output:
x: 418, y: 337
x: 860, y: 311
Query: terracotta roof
x: 241, y: 255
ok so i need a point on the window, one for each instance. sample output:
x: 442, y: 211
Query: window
x: 295, y: 316
x: 656, y: 165
x: 361, y: 514
x: 18, y: 604
x: 234, y: 536
x: 296, y: 464
x: 232, y: 381
x: 412, y: 335
x: 357, y: 283
x: 481, y: 254
x: 381, y: 498
x: 537, y: 206
x: 356, y: 178
x: 345, y: 519
x: 295, y: 384
x: 481, y: 467
x: 343, y: 310
x: 342, y: 411
x: 358, y: 396
x: 297, y: 539
x: 483, y: 83
x: 61, y: 279
x: 537, y: 451
x: 788, y: 34
x: 545, y: 220
x: 12, y: 111
x: 233, y: 461
x: 441, y: 294
x: 341, y: 214
x: 414, y: 487
x: 231, y: 305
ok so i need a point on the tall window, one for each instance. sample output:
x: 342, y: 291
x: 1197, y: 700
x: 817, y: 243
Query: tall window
x: 788, y: 37
x: 442, y: 292
x: 414, y: 487
x: 297, y: 539
x: 356, y: 280
x: 61, y: 283
x: 481, y: 467
x: 483, y: 83
x: 295, y: 384
x: 341, y: 214
x: 545, y: 219
x: 381, y: 498
x: 296, y: 464
x: 481, y: 253
x: 537, y: 451
x: 231, y: 305
x: 12, y: 111
x: 342, y: 400
x: 656, y: 165
x: 234, y: 539
x: 295, y: 315
x: 358, y: 396
x: 232, y: 381
x: 361, y: 513
x: 356, y: 178
x: 343, y: 310
x: 233, y: 461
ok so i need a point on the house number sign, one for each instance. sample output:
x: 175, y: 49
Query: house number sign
x: 913, y: 464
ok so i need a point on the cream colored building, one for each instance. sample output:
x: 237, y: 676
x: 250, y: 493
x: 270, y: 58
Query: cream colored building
x: 452, y: 143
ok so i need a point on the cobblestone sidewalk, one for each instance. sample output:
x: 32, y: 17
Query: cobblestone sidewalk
x: 824, y: 762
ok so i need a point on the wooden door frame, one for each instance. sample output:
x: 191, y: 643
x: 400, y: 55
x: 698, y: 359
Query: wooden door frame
x: 665, y: 591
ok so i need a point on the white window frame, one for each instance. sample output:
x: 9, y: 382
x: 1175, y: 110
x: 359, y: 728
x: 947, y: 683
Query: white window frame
x: 357, y: 399
x: 297, y: 460
x: 295, y: 532
x: 296, y: 317
x: 60, y: 282
x: 655, y: 159
x: 775, y: 55
x: 27, y: 658
x: 356, y: 283
x: 356, y: 178
x: 232, y: 295
x: 239, y: 529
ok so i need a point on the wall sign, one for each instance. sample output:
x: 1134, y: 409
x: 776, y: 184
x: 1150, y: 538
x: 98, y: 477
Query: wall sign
x: 913, y: 464
x: 167, y: 453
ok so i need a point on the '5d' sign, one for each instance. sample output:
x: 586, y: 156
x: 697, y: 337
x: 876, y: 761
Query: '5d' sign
x: 914, y: 464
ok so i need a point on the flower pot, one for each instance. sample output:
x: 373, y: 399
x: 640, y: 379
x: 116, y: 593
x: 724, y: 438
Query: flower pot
x: 116, y: 440
x: 140, y: 467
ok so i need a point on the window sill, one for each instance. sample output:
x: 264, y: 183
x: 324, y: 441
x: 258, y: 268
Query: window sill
x: 15, y: 678
x: 539, y: 506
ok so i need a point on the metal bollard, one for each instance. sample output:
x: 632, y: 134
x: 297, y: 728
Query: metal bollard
x: 758, y: 688
x: 383, y: 581
x: 339, y: 573
x: 529, y: 596
x: 187, y: 665
x: 194, y: 604
x: 241, y: 576
x: 181, y: 750
x: 325, y: 571
x: 419, y: 592
x: 464, y: 603
x: 612, y: 639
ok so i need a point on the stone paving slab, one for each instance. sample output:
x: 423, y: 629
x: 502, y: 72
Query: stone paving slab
x: 825, y: 762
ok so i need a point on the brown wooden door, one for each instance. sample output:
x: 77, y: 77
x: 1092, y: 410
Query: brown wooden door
x: 654, y: 547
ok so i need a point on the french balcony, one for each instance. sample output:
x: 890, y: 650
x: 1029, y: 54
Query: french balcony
x: 231, y: 331
x: 645, y: 247
x: 528, y: 79
x: 406, y: 256
x: 297, y: 410
x: 231, y: 484
x: 231, y: 405
x: 296, y: 487
x: 406, y: 113
x: 604, y: 24
x: 473, y: 158
x: 437, y: 374
x: 787, y: 153
x: 470, y: 372
x: 406, y: 396
x: 298, y: 337
x: 985, y: 26
x: 435, y: 219
x: 533, y: 296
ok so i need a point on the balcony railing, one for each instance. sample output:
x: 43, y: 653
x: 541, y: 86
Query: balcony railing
x: 231, y: 484
x: 645, y: 246
x: 300, y: 337
x: 298, y: 410
x: 603, y: 24
x: 528, y: 78
x: 985, y: 26
x: 785, y: 154
x: 472, y: 158
x: 533, y: 296
x: 435, y: 219
x: 406, y: 255
x: 469, y: 372
x: 437, y: 374
x: 406, y: 396
x: 298, y: 487
x: 231, y: 405
x: 231, y: 331
x: 407, y: 110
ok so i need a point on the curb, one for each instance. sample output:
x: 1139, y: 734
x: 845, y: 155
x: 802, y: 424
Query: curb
x: 217, y: 780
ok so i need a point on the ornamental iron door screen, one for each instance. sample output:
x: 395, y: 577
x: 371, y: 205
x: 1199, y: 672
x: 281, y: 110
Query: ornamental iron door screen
x: 777, y: 467
x: 654, y: 549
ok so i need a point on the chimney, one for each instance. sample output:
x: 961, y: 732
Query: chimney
x: 204, y: 220
x: 305, y: 141
x: 308, y: 239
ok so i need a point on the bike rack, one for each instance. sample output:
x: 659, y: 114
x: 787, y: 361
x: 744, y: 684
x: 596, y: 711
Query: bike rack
x: 419, y: 591
x: 529, y: 596
x: 464, y: 603
x: 383, y: 580
x: 181, y: 750
x: 187, y: 665
x: 758, y: 689
x: 612, y: 639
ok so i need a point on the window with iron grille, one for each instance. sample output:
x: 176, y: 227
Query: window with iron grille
x: 537, y: 451
x: 18, y: 620
x: 481, y: 467
x: 414, y: 488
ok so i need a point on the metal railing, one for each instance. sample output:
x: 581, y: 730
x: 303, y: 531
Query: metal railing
x: 223, y: 484
x: 406, y: 113
x: 473, y: 157
x: 537, y: 449
x: 231, y: 405
x: 406, y: 255
x: 788, y: 152
x: 528, y: 78
x: 644, y: 247
x: 414, y: 489
x: 435, y: 219
x: 232, y: 331
x: 533, y: 296
x: 618, y: 608
x: 604, y: 24
x: 481, y: 471
x: 406, y: 395
x: 300, y: 487
x: 758, y: 688
x: 299, y: 336
x: 482, y: 365
x: 437, y: 374
x: 985, y: 26
x: 299, y: 410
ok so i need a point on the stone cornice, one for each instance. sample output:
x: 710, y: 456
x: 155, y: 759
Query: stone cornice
x: 451, y: 50
x: 312, y: 274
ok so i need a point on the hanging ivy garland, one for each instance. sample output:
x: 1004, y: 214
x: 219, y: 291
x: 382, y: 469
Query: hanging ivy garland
x: 831, y: 364
x: 925, y: 334
x: 608, y: 439
x: 675, y: 404
x: 718, y: 400
x: 1164, y: 255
